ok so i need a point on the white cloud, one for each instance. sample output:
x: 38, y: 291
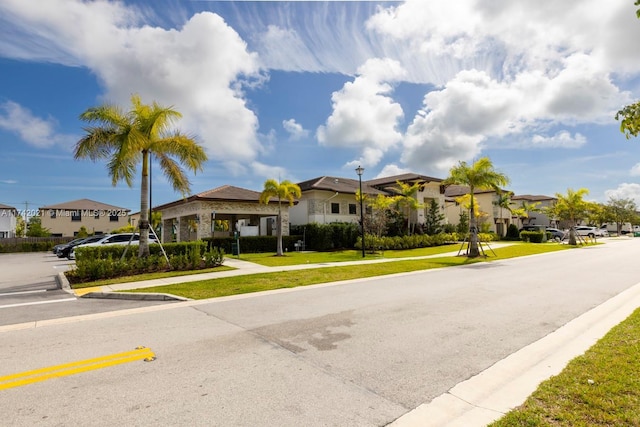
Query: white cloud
x: 625, y: 191
x: 364, y: 116
x: 296, y: 131
x: 33, y: 130
x: 269, y: 172
x: 562, y: 139
x: 392, y: 170
x: 9, y: 181
x: 199, y: 69
x: 635, y: 170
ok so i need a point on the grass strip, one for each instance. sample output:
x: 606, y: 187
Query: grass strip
x: 148, y: 276
x: 599, y: 388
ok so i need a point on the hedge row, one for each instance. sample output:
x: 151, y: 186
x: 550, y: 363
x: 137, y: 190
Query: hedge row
x: 31, y: 244
x: 105, y: 262
x: 374, y: 243
x: 252, y: 244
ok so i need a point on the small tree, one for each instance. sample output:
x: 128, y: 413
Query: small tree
x: 433, y: 218
x: 621, y: 211
x: 571, y: 207
x: 35, y: 228
x: 82, y: 232
x: 407, y: 199
x: 284, y: 190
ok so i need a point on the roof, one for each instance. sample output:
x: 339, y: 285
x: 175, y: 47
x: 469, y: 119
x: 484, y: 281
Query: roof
x: 532, y: 198
x: 461, y: 190
x: 224, y: 193
x: 339, y: 185
x: 7, y: 207
x: 83, y: 204
x: 406, y: 177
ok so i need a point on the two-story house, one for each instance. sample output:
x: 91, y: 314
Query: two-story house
x: 8, y: 221
x: 66, y: 219
x: 328, y: 199
x: 490, y: 215
x: 534, y: 207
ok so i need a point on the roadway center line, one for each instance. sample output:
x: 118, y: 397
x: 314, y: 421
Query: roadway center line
x: 42, y: 374
x: 37, y: 303
x: 22, y: 292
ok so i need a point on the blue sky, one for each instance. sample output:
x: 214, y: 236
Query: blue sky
x: 296, y: 90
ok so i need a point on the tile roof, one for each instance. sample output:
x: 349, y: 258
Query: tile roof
x: 461, y: 190
x: 406, y: 177
x: 7, y: 207
x: 340, y: 185
x: 533, y: 198
x: 229, y: 192
x: 83, y: 204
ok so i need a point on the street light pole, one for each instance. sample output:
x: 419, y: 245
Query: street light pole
x: 360, y: 171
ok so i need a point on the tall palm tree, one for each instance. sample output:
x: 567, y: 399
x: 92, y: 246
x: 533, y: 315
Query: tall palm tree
x: 408, y: 199
x: 129, y: 138
x: 285, y: 190
x: 503, y: 201
x: 481, y: 176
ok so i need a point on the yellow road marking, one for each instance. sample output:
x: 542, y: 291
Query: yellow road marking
x: 42, y: 374
x: 83, y: 291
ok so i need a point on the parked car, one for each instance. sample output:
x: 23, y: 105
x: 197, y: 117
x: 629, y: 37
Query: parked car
x: 112, y: 239
x: 586, y: 231
x: 63, y: 252
x: 56, y: 248
x: 555, y: 233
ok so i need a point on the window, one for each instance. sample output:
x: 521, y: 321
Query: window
x: 352, y: 209
x: 52, y: 213
x: 76, y: 216
x: 335, y: 208
x: 96, y: 214
x: 114, y: 218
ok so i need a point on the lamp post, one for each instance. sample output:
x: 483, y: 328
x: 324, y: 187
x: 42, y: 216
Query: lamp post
x: 360, y: 171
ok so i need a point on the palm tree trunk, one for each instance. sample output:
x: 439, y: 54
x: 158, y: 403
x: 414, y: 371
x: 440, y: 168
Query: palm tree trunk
x: 473, y: 231
x: 143, y: 249
x: 279, y: 230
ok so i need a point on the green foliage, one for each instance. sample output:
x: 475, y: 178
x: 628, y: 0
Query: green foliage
x: 532, y: 236
x: 375, y: 243
x: 31, y: 244
x: 253, y: 244
x: 82, y: 232
x: 629, y: 118
x: 463, y: 223
x: 512, y: 233
x: 433, y: 218
x: 35, y: 228
x: 328, y: 237
x: 104, y: 262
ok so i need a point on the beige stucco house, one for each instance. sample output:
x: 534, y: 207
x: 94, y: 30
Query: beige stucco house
x: 66, y: 219
x: 328, y: 199
x: 8, y: 221
x: 491, y: 216
x: 221, y: 212
x: 536, y: 216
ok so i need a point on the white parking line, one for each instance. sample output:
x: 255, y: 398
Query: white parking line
x: 36, y: 303
x: 22, y: 293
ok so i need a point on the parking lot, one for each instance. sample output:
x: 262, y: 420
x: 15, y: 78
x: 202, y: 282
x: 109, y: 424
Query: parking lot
x: 29, y: 292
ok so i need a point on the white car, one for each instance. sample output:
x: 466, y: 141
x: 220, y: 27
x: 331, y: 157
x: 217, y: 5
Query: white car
x: 113, y: 239
x: 586, y: 231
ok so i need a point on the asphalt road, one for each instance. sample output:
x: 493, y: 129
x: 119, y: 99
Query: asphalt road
x: 360, y: 353
x: 29, y: 292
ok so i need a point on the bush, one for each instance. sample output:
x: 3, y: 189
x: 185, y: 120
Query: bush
x: 106, y: 262
x: 253, y: 244
x: 512, y: 233
x: 328, y: 237
x: 532, y: 236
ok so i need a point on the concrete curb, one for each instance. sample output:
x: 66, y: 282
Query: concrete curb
x: 137, y: 296
x: 489, y: 395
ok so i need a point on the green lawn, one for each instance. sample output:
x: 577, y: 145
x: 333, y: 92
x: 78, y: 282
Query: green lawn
x: 213, y: 288
x: 599, y: 388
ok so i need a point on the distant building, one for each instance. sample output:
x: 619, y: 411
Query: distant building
x: 8, y: 221
x: 538, y: 215
x: 66, y: 219
x: 494, y: 217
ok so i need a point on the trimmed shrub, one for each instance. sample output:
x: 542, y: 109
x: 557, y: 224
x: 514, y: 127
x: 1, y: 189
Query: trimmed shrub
x: 328, y: 237
x: 105, y: 262
x: 532, y: 236
x: 512, y: 233
x: 253, y: 244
